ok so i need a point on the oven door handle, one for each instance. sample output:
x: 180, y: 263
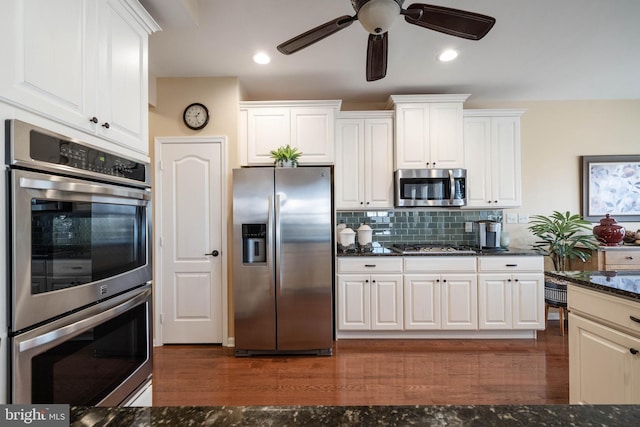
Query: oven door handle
x: 79, y: 187
x: 84, y: 324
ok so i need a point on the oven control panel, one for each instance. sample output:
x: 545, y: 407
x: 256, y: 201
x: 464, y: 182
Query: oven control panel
x: 53, y: 150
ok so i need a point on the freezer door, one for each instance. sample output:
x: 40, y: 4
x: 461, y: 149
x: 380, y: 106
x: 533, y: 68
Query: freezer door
x: 304, y: 266
x: 253, y: 285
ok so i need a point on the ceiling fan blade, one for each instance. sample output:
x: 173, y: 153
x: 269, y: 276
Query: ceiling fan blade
x: 377, y: 48
x: 459, y: 23
x: 316, y: 34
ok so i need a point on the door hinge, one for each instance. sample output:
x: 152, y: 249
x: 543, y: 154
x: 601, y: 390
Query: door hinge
x: 161, y: 318
x: 161, y: 165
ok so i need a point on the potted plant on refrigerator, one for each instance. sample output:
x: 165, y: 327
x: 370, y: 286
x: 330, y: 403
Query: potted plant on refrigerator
x: 286, y: 156
x: 562, y: 238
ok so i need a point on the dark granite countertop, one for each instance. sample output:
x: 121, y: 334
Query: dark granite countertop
x: 624, y: 284
x: 485, y: 415
x: 385, y: 251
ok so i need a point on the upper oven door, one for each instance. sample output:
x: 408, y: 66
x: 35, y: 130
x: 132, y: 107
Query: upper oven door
x: 73, y: 242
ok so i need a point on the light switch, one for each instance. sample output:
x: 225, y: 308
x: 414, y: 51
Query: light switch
x: 523, y: 218
x: 512, y: 218
x: 468, y: 227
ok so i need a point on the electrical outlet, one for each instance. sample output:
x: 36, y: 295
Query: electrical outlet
x: 468, y: 227
x: 523, y: 218
x: 512, y: 218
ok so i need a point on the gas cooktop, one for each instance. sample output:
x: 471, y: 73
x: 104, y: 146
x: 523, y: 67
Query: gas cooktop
x: 418, y: 248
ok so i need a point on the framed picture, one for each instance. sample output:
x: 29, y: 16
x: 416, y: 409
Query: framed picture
x: 611, y: 185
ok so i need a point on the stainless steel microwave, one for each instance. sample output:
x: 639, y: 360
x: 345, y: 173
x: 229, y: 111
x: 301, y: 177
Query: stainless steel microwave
x: 430, y: 187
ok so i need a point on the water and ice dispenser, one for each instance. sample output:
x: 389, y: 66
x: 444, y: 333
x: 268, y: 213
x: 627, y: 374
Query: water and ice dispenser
x: 254, y: 243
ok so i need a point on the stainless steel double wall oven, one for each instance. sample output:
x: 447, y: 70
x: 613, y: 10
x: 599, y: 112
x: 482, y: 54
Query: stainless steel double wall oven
x: 79, y: 270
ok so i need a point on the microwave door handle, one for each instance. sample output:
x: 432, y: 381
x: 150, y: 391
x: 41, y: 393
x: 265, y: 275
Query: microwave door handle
x: 452, y: 187
x: 79, y: 187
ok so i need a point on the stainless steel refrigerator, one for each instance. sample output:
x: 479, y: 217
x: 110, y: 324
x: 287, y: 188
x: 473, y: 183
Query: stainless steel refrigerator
x: 283, y: 260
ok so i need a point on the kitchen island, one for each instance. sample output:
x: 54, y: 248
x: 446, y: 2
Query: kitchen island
x: 480, y: 415
x: 604, y: 336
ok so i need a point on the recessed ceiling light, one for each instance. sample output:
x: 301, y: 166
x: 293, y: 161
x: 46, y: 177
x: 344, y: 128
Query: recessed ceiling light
x: 261, y: 58
x: 448, y: 55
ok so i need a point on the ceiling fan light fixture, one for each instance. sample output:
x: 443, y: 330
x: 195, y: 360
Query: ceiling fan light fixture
x: 261, y: 58
x: 377, y: 16
x: 448, y: 55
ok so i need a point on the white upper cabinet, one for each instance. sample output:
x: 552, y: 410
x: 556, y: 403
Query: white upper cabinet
x: 82, y: 63
x: 492, y: 158
x: 428, y: 130
x: 364, y: 165
x: 306, y: 125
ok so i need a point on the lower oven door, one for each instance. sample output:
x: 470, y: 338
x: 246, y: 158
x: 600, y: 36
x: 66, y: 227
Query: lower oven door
x: 95, y: 357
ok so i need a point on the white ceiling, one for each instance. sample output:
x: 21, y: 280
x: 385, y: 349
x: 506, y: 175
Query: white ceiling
x: 537, y: 50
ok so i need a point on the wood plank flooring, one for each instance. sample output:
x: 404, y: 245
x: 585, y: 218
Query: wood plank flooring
x: 370, y: 372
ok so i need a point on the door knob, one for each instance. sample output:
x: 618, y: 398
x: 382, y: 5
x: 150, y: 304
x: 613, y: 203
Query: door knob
x: 213, y: 253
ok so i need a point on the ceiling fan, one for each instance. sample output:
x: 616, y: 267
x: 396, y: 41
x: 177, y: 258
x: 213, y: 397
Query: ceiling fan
x: 377, y: 16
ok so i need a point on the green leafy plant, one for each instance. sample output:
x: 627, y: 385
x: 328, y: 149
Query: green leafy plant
x: 562, y: 237
x: 286, y: 154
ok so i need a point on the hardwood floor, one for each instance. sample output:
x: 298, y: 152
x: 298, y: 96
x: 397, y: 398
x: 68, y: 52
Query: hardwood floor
x: 370, y: 372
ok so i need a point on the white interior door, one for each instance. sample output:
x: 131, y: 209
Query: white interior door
x: 190, y: 191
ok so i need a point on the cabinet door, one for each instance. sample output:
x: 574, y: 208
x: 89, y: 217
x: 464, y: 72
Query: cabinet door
x: 350, y: 164
x: 505, y: 161
x: 603, y: 368
x: 386, y: 302
x: 123, y: 93
x: 412, y: 136
x: 267, y: 129
x: 528, y: 301
x: 422, y: 301
x: 378, y: 163
x: 354, y: 302
x: 477, y: 152
x: 312, y: 131
x: 49, y: 57
x: 446, y: 144
x: 459, y: 296
x: 494, y: 301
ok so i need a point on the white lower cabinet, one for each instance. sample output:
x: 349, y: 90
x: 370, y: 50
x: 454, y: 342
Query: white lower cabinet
x: 369, y: 298
x: 510, y: 292
x: 440, y: 296
x: 436, y: 299
x: 604, y: 349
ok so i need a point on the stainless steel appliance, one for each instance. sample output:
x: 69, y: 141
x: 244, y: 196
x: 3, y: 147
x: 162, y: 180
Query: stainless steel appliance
x: 430, y: 187
x: 80, y: 226
x: 488, y: 233
x: 427, y: 248
x: 283, y: 294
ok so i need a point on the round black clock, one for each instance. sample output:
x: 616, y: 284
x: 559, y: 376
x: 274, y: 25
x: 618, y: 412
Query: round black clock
x: 196, y: 116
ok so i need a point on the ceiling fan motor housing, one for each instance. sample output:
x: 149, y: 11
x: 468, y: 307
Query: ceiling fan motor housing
x: 377, y: 16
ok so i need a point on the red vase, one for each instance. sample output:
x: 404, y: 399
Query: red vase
x: 608, y: 233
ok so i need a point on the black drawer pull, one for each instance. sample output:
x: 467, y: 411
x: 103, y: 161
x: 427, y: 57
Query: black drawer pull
x: 369, y: 265
x: 633, y: 351
x: 635, y: 319
x: 512, y: 265
x: 629, y: 257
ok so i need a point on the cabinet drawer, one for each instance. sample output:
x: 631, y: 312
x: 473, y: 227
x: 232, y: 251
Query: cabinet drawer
x: 507, y: 263
x: 439, y: 264
x: 370, y: 265
x: 622, y: 257
x: 614, y: 311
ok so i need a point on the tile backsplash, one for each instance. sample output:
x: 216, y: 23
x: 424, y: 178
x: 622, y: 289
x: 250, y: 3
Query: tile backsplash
x: 427, y: 226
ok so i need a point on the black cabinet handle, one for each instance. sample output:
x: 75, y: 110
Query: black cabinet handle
x: 93, y: 119
x: 629, y: 257
x: 635, y: 319
x: 511, y: 265
x: 633, y: 351
x: 369, y: 265
x: 105, y: 125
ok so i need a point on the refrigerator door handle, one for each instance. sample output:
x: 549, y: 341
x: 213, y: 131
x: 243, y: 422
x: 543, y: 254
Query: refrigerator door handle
x: 270, y: 228
x: 279, y: 259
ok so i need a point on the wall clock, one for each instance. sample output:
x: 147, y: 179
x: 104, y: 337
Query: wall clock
x: 196, y: 116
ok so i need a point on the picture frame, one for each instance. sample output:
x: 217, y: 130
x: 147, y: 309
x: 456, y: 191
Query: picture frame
x: 611, y: 185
